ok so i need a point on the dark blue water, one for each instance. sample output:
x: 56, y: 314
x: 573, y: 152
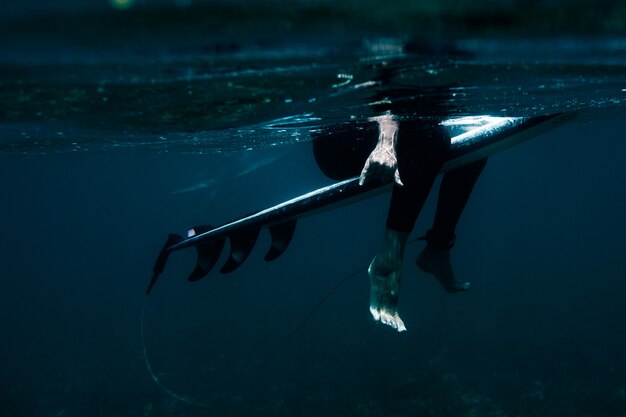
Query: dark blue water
x: 105, y: 150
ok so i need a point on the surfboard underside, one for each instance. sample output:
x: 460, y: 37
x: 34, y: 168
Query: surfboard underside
x: 473, y: 138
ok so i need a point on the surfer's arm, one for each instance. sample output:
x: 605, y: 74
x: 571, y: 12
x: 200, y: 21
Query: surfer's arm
x: 382, y: 164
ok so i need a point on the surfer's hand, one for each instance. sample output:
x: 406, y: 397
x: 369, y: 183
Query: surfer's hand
x: 382, y: 164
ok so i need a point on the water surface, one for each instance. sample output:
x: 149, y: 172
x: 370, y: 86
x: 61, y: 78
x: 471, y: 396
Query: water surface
x: 107, y: 146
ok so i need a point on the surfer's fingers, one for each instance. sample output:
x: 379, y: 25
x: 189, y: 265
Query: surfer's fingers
x: 372, y: 170
x: 397, y: 179
x: 364, y: 173
x: 377, y: 171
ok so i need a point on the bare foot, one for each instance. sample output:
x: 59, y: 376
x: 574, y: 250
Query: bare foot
x: 384, y: 292
x: 436, y: 262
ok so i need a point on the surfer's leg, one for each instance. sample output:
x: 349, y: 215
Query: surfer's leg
x: 386, y: 269
x: 456, y: 188
x: 419, y: 160
x: 385, y: 272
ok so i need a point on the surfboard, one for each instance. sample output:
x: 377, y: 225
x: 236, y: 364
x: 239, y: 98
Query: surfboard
x: 472, y: 138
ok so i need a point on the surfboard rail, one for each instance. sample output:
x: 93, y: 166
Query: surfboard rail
x: 472, y: 138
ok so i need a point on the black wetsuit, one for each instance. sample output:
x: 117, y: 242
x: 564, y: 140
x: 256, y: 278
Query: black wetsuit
x: 423, y: 146
x: 422, y: 149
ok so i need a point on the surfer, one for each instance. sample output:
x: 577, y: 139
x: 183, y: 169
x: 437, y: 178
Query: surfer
x: 402, y: 133
x: 405, y: 142
x: 412, y: 153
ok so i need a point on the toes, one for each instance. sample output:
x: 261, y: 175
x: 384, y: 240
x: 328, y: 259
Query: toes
x: 375, y: 313
x: 392, y: 320
x: 388, y: 319
x: 399, y: 324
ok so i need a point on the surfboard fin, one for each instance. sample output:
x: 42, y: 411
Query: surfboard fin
x: 159, y: 265
x: 241, y: 245
x: 207, y: 258
x: 208, y: 254
x: 281, y: 237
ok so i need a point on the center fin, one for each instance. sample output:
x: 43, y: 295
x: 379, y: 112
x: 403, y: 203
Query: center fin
x: 281, y: 237
x: 241, y: 245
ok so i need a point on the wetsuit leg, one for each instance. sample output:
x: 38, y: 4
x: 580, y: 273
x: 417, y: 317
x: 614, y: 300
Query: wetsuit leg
x: 421, y: 151
x: 456, y: 188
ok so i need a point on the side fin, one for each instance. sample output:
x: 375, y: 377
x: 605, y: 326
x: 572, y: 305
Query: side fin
x: 241, y: 245
x: 208, y: 255
x: 159, y: 265
x: 281, y: 237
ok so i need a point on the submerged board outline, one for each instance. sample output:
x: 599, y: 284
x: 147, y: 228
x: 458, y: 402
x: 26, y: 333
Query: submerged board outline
x: 472, y: 138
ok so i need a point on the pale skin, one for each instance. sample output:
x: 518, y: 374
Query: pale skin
x: 386, y: 268
x: 385, y: 272
x: 382, y: 163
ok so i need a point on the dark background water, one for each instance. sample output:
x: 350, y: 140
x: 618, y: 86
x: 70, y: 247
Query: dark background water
x: 542, y: 240
x: 541, y: 332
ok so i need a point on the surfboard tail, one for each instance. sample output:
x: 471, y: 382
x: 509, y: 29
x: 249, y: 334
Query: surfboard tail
x: 473, y: 138
x: 207, y: 254
x: 159, y: 265
x: 209, y: 250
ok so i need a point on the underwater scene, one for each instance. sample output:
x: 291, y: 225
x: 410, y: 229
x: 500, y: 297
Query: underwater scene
x: 236, y: 132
